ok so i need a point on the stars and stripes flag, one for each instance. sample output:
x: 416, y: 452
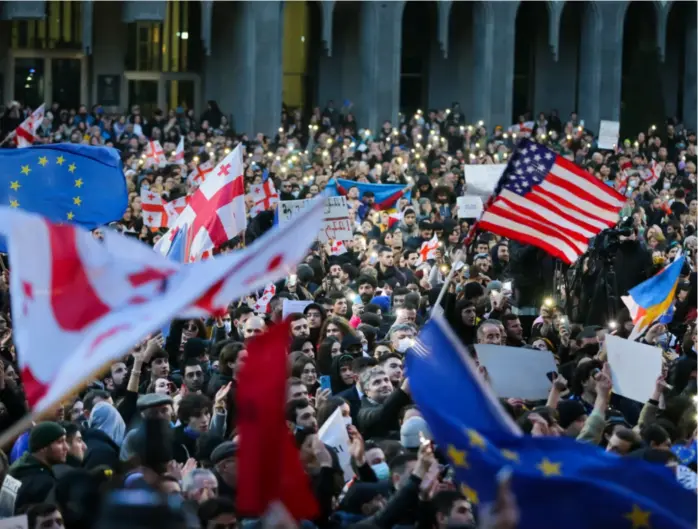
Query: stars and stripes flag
x: 154, y: 155
x: 25, y: 134
x: 179, y: 152
x: 264, y: 196
x: 156, y: 212
x: 544, y: 200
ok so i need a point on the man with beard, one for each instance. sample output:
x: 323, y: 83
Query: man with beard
x: 379, y: 416
x: 386, y: 266
x: 367, y: 288
x: 193, y: 376
x: 514, y: 330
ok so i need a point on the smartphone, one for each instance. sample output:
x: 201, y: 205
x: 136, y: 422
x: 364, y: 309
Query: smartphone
x: 325, y: 382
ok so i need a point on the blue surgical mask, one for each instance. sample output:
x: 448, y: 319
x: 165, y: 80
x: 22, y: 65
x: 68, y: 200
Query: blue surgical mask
x: 381, y: 470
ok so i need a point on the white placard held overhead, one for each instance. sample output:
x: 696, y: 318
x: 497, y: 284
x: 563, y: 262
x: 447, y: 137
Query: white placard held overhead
x: 336, y: 224
x: 517, y: 372
x: 469, y: 207
x: 334, y: 434
x: 292, y: 306
x: 16, y: 522
x: 609, y: 132
x: 634, y: 367
x: 482, y: 180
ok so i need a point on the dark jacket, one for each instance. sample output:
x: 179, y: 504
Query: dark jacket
x: 184, y: 445
x: 101, y: 450
x: 381, y: 421
x: 351, y: 395
x: 37, y: 480
x: 71, y: 463
x: 218, y: 380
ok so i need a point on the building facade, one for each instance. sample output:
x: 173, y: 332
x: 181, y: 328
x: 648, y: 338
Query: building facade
x: 633, y: 62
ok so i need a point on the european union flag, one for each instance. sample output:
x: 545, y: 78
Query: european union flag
x: 557, y: 481
x: 65, y: 182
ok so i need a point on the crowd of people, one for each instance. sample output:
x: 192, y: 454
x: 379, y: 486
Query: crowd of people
x: 162, y: 420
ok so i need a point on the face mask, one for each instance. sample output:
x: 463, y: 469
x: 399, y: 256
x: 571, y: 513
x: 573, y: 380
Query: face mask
x: 296, y: 193
x: 381, y: 470
x: 228, y: 325
x: 403, y: 345
x: 347, y: 421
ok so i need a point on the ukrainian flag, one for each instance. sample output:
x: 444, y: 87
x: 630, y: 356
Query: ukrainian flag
x: 651, y: 299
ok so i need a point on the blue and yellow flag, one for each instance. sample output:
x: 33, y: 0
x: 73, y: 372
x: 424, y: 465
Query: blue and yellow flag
x: 557, y: 481
x: 652, y: 299
x: 65, y: 182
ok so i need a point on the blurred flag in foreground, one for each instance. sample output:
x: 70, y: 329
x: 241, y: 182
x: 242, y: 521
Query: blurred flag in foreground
x: 93, y: 300
x: 553, y: 478
x: 654, y: 298
x: 545, y: 200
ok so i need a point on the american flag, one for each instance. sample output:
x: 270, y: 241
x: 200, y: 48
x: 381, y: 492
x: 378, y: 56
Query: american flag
x: 544, y: 200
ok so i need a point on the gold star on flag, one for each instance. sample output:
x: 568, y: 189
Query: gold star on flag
x: 15, y: 185
x: 457, y: 456
x: 470, y: 494
x: 77, y: 201
x: 548, y: 468
x: 475, y: 438
x: 71, y: 215
x: 43, y: 161
x: 72, y: 167
x: 638, y: 517
x: 78, y: 182
x: 26, y: 170
x: 510, y: 455
x: 60, y: 160
x: 14, y: 204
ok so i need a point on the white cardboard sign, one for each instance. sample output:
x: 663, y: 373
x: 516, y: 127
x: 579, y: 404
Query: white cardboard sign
x: 336, y: 224
x: 482, y: 180
x: 517, y: 372
x: 634, y: 367
x: 469, y: 207
x: 291, y: 306
x: 334, y: 434
x: 609, y: 132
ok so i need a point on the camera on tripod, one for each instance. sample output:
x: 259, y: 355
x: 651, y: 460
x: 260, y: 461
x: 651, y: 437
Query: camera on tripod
x: 608, y: 241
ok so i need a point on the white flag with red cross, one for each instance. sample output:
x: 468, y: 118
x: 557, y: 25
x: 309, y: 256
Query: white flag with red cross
x: 264, y: 196
x: 179, y: 152
x: 262, y: 304
x: 156, y: 212
x: 92, y: 300
x: 174, y: 209
x: 428, y: 250
x: 215, y: 212
x: 154, y: 155
x: 198, y: 175
x: 338, y: 248
x: 25, y: 134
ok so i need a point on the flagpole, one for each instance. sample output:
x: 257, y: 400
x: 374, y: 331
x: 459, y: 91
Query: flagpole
x: 449, y: 278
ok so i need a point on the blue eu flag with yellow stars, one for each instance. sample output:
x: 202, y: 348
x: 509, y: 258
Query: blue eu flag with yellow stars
x: 65, y: 182
x: 557, y: 481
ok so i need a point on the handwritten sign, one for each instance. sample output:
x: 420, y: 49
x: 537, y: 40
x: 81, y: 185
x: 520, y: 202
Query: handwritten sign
x: 608, y: 134
x: 336, y: 224
x: 469, y: 207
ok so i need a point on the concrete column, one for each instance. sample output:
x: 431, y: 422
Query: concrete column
x: 206, y: 21
x: 690, y: 79
x: 108, y: 46
x: 327, y: 7
x: 590, y: 66
x: 669, y: 72
x: 495, y: 91
x: 381, y: 39
x: 340, y: 74
x: 613, y: 16
x: 269, y: 25
x: 556, y: 77
x: 87, y: 18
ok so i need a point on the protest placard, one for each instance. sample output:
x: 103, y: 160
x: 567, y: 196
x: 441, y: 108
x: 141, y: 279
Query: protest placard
x: 336, y: 224
x: 292, y: 306
x: 481, y: 180
x: 609, y: 132
x: 334, y: 434
x: 634, y: 367
x: 469, y: 207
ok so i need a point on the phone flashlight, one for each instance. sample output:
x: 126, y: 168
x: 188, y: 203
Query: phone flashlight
x: 548, y: 302
x: 507, y: 285
x: 292, y: 279
x: 612, y: 324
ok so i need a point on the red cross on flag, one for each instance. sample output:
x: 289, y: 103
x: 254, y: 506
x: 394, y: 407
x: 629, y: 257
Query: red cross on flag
x: 198, y: 175
x: 179, y: 152
x: 174, y: 209
x: 94, y: 300
x: 215, y: 212
x: 154, y: 155
x: 338, y: 248
x: 25, y: 134
x: 264, y: 197
x: 428, y: 250
x: 157, y: 213
x: 262, y: 304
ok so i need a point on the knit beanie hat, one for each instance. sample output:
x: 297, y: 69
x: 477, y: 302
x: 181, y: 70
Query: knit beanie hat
x: 43, y: 434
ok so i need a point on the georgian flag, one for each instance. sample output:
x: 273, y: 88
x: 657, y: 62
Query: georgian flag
x: 154, y: 155
x: 263, y: 196
x: 338, y: 248
x: 179, y: 152
x: 157, y: 213
x: 25, y: 134
x: 262, y: 304
x: 94, y: 300
x: 428, y: 250
x: 198, y: 175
